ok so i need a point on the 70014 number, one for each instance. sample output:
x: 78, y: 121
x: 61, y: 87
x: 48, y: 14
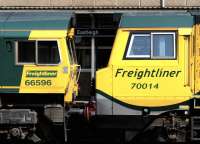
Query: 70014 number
x: 38, y: 83
x: 144, y: 86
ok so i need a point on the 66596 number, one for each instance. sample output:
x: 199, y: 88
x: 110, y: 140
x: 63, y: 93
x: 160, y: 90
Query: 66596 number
x: 38, y: 83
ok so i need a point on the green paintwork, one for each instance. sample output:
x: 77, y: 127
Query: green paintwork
x: 15, y: 34
x: 142, y: 20
x: 9, y: 90
x: 10, y: 74
x: 35, y: 20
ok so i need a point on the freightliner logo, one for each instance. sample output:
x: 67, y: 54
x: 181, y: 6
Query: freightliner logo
x: 139, y: 74
x: 42, y: 73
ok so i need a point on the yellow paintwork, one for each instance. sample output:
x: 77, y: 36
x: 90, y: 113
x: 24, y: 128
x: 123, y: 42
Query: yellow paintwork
x: 104, y: 80
x: 71, y: 32
x: 171, y: 90
x: 184, y: 107
x: 197, y: 57
x: 65, y: 80
x: 48, y: 34
x: 185, y: 31
x: 73, y: 86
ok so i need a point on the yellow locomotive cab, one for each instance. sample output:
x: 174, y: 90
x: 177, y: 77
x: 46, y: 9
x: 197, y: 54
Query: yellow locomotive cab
x: 148, y: 66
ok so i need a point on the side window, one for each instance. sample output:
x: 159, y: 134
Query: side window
x: 25, y: 52
x: 48, y: 52
x: 152, y: 46
x: 37, y: 52
x: 140, y: 46
x: 163, y: 45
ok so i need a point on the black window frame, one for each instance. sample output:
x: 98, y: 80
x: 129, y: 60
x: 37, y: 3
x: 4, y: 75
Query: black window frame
x: 59, y: 55
x: 17, y: 54
x: 36, y: 54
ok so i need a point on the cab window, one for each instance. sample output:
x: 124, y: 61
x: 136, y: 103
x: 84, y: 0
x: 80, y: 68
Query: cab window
x: 37, y: 52
x: 163, y: 45
x: 48, y: 52
x: 140, y: 45
x: 152, y: 46
x: 25, y: 52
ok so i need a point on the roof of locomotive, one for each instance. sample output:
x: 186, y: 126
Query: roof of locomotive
x: 34, y: 20
x: 156, y: 19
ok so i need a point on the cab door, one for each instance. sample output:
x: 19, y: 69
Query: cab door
x: 45, y: 65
